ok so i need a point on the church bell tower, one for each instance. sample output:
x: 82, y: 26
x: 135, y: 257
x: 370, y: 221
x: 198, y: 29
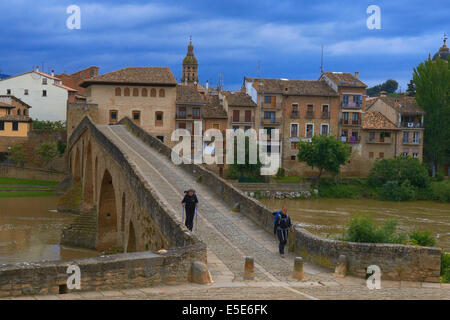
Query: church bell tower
x: 190, y: 66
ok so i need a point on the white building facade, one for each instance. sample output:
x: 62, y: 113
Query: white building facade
x: 44, y: 92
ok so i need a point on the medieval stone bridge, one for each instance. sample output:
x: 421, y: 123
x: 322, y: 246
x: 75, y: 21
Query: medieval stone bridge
x: 112, y: 198
x: 132, y: 192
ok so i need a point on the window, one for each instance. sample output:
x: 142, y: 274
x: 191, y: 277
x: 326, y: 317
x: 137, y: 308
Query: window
x: 18, y: 112
x: 372, y: 136
x: 404, y: 153
x: 405, y: 137
x: 293, y: 158
x: 182, y: 125
x: 370, y: 155
x: 15, y: 126
x: 267, y: 100
x: 415, y: 155
x: 2, y: 125
x: 324, y: 129
x: 158, y: 118
x: 25, y: 112
x: 126, y: 92
x: 416, y: 137
x: 236, y: 115
x: 216, y: 126
x: 25, y: 92
x: 162, y: 93
x: 144, y: 92
x: 44, y: 81
x: 44, y: 93
x: 248, y: 116
x: 345, y: 117
x: 294, y: 130
x: 309, y: 130
x: 160, y: 138
x: 381, y: 155
x: 294, y: 145
x: 269, y: 115
x: 325, y: 108
x: 113, y: 115
x: 310, y: 111
x: 153, y: 92
x: 118, y: 92
x: 196, y: 113
x: 8, y: 91
x: 136, y: 116
x: 181, y: 112
x: 135, y: 92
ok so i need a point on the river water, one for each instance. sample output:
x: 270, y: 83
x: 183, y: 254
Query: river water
x: 30, y: 230
x: 328, y: 216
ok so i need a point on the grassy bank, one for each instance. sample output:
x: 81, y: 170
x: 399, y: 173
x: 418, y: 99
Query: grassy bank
x: 21, y: 188
x: 362, y: 189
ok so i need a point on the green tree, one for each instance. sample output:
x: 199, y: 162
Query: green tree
x: 432, y: 81
x: 17, y: 154
x: 47, y: 151
x: 411, y: 91
x: 325, y: 153
x: 390, y: 86
x: 245, y: 169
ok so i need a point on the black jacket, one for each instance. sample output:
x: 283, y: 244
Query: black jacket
x: 190, y: 201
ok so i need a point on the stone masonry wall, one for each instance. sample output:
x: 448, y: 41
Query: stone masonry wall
x: 8, y: 171
x: 120, y: 271
x: 397, y: 262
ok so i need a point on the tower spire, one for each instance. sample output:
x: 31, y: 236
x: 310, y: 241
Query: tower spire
x: 190, y: 65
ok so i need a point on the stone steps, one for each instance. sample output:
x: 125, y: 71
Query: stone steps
x: 82, y: 232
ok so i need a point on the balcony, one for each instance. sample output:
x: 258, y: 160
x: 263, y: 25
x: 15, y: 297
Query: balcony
x: 379, y: 141
x: 250, y: 121
x: 412, y: 125
x: 351, y: 104
x: 351, y: 139
x: 351, y: 122
x: 411, y: 142
x: 271, y: 121
x: 276, y: 106
x: 325, y: 115
x: 183, y: 116
x: 309, y: 115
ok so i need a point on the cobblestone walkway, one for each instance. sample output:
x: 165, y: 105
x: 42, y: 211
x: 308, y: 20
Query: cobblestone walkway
x: 229, y: 236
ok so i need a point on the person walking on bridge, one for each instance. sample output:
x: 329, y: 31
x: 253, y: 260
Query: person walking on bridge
x: 190, y: 203
x: 281, y: 225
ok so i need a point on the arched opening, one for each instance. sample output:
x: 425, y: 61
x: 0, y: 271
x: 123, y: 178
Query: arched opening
x: 118, y: 92
x: 88, y: 188
x: 144, y: 92
x: 135, y: 92
x: 77, y: 167
x: 122, y: 216
x: 162, y: 93
x: 153, y: 92
x: 131, y: 247
x: 95, y: 179
x: 107, y: 214
x: 126, y: 92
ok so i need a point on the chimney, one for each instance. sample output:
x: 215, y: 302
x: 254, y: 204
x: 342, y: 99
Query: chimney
x: 37, y: 68
x: 357, y: 74
x: 207, y: 86
x: 53, y: 73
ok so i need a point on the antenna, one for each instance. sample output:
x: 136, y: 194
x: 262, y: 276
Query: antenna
x: 321, y: 62
x: 220, y: 83
x: 258, y: 71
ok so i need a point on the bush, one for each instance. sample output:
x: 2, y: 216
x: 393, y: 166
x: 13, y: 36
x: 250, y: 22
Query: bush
x: 47, y: 151
x: 399, y: 169
x: 233, y: 173
x: 18, y: 154
x: 445, y: 267
x: 440, y: 176
x: 362, y: 228
x: 393, y: 191
x: 441, y: 191
x: 424, y: 238
x: 281, y: 173
x: 61, y: 147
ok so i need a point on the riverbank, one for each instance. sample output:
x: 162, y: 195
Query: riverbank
x: 19, y: 188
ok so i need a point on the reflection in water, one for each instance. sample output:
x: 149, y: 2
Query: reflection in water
x: 30, y: 230
x: 328, y: 216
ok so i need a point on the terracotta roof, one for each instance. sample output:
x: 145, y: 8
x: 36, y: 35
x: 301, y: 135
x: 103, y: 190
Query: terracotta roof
x: 295, y: 87
x: 345, y: 79
x: 213, y: 108
x: 403, y: 104
x: 188, y: 94
x: 377, y: 121
x: 64, y: 87
x: 6, y: 99
x: 239, y: 99
x: 5, y: 105
x: 135, y: 75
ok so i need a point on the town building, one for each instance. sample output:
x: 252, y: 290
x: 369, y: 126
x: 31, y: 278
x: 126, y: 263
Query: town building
x: 408, y: 118
x: 241, y: 110
x: 45, y: 92
x: 75, y: 79
x: 147, y: 95
x: 15, y: 121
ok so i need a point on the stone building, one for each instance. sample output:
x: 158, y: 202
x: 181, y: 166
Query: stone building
x: 190, y: 66
x: 145, y: 94
x: 408, y: 118
x: 378, y: 136
x: 15, y: 122
x: 75, y: 79
x: 241, y: 110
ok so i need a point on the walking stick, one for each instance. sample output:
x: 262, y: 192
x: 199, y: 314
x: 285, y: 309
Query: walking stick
x: 196, y: 218
x: 182, y: 216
